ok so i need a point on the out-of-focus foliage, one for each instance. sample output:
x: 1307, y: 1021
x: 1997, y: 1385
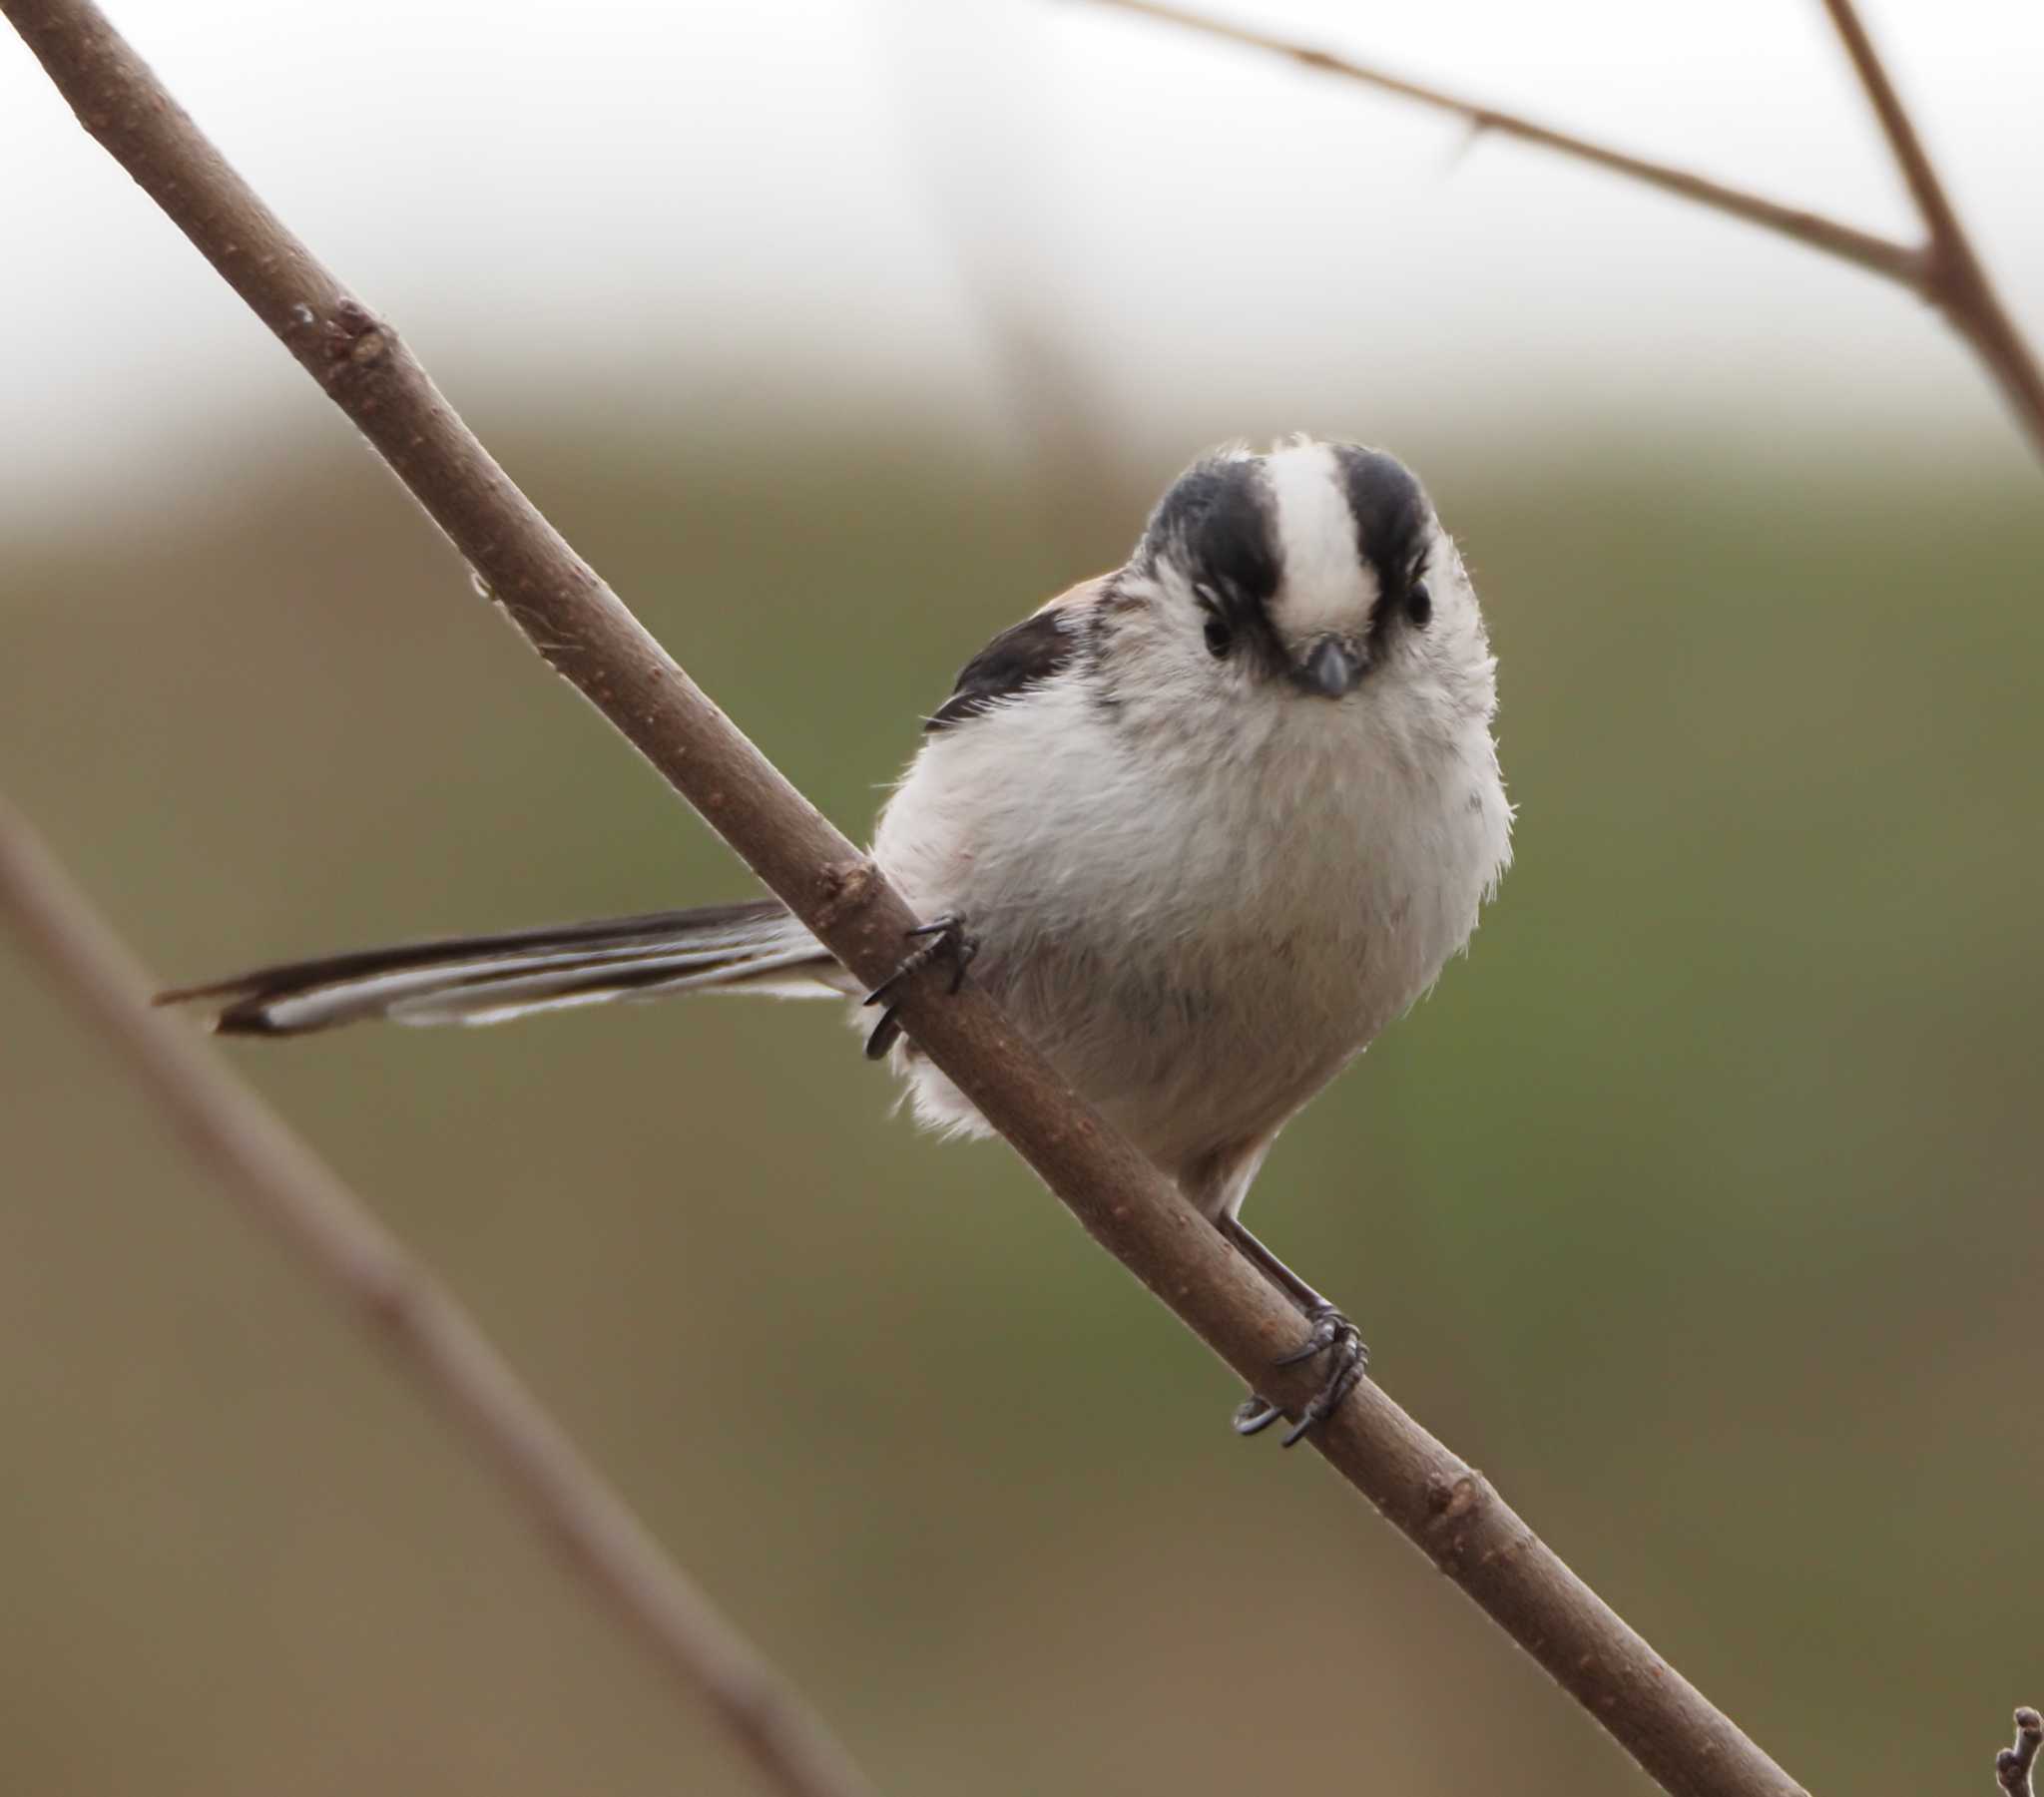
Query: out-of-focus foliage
x: 1699, y: 1206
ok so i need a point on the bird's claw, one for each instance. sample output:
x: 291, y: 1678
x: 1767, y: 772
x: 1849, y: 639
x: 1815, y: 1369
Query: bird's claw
x: 942, y: 938
x: 1329, y: 1334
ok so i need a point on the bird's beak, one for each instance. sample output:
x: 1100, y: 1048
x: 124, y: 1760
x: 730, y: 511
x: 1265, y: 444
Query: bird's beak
x: 1331, y: 670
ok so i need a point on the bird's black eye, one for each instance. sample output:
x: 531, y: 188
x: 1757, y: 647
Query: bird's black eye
x: 1220, y: 639
x: 1420, y: 602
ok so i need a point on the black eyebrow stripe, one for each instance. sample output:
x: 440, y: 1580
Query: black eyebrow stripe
x: 1390, y: 512
x: 1217, y: 522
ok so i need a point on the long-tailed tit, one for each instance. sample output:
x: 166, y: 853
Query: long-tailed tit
x: 1203, y: 827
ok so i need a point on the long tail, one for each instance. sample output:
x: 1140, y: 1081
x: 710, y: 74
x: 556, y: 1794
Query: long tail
x: 488, y: 979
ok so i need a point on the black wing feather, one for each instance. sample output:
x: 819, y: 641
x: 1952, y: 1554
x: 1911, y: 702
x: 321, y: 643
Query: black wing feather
x: 1023, y: 656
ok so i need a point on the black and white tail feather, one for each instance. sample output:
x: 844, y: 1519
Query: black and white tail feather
x: 756, y: 947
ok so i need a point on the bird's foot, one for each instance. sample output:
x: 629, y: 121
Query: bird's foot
x: 942, y: 938
x: 1329, y: 1334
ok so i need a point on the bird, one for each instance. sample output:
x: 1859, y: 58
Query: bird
x: 1203, y: 827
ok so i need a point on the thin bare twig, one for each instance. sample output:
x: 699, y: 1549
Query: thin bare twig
x: 1945, y: 271
x: 2012, y: 1764
x: 1954, y: 279
x: 1443, y: 1504
x: 291, y: 1191
x: 1864, y: 248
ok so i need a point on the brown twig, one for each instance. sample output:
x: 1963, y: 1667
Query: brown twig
x: 1864, y: 248
x: 2012, y: 1764
x: 1945, y: 271
x: 287, y: 1189
x: 1954, y: 280
x: 1445, y: 1506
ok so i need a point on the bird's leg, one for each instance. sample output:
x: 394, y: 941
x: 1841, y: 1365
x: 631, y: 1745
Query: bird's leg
x: 1329, y: 1334
x: 941, y: 938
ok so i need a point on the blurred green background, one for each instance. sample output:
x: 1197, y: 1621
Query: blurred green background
x: 1698, y: 1207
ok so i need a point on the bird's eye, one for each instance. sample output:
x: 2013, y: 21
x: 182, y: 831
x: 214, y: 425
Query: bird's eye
x: 1420, y: 602
x: 1220, y: 639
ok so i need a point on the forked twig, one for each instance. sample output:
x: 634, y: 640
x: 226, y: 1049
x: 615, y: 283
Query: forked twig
x: 1945, y: 269
x: 1954, y: 279
x: 1864, y: 248
x: 295, y: 1195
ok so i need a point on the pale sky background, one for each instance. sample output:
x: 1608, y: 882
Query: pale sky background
x: 705, y: 211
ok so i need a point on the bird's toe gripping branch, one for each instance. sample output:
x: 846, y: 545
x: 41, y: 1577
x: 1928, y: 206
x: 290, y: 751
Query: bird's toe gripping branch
x: 942, y: 938
x: 1331, y: 1334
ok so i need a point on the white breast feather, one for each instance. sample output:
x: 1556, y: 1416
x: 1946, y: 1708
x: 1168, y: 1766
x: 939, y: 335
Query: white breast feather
x: 1200, y: 938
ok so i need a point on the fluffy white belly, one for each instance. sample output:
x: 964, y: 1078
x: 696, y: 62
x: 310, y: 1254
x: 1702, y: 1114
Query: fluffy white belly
x: 1197, y: 940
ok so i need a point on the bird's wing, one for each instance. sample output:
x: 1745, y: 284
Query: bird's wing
x: 1023, y: 656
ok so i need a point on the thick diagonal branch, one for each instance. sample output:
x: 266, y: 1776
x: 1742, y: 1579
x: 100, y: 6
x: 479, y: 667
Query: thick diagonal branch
x: 1444, y: 1505
x: 288, y: 1190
